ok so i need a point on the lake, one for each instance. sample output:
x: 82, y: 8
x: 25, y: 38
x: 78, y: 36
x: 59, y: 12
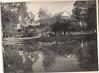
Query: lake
x: 53, y: 56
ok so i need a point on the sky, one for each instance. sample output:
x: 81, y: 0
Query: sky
x: 52, y: 7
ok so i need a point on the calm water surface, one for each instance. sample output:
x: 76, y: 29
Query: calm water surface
x: 52, y: 56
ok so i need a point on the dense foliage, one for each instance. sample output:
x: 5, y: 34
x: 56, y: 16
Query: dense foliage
x: 10, y: 17
x: 90, y: 61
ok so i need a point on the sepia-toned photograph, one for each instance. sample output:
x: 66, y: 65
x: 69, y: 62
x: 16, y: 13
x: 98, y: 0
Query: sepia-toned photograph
x: 49, y: 36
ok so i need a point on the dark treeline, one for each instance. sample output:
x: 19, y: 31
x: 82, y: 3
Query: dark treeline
x: 83, y: 18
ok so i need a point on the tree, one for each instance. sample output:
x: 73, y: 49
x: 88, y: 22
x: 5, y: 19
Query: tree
x: 90, y: 61
x: 60, y: 27
x: 64, y: 25
x: 80, y: 13
x: 43, y: 13
x: 85, y: 12
x: 10, y: 13
x: 44, y: 17
x: 91, y: 19
x: 74, y: 25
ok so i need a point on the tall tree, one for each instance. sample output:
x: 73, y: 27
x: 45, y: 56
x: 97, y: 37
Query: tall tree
x: 91, y: 19
x: 85, y: 12
x: 10, y: 13
x: 44, y: 19
x: 44, y: 16
x: 90, y: 61
x: 80, y: 13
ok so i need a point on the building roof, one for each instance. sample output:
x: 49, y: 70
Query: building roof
x: 63, y: 13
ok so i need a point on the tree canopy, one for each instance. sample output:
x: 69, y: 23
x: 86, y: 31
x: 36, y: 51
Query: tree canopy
x: 85, y: 12
x: 10, y: 13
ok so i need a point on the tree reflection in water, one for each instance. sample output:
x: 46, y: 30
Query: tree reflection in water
x: 88, y: 56
x: 49, y: 59
x: 85, y: 51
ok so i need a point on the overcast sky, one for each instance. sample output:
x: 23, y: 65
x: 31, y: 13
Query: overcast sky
x: 52, y: 6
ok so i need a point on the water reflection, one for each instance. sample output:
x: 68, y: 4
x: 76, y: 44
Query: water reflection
x: 38, y: 65
x: 29, y: 56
